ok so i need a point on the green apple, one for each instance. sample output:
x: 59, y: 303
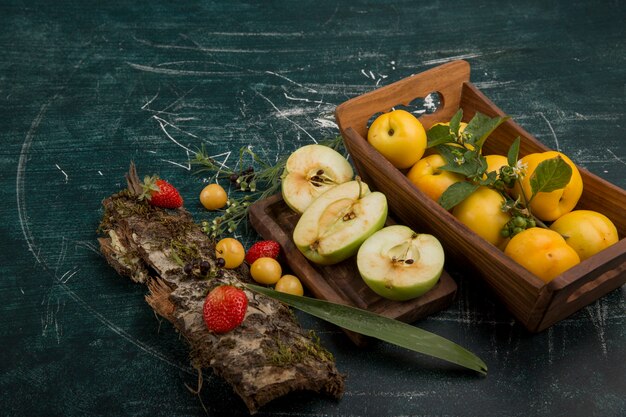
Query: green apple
x: 399, y: 264
x: 309, y: 172
x: 333, y: 227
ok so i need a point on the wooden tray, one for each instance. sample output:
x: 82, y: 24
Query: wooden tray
x: 341, y: 283
x: 533, y: 303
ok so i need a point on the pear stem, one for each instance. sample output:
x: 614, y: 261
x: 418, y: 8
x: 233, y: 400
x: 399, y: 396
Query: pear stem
x: 358, y: 180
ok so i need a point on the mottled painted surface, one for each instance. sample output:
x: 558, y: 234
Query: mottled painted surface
x: 85, y: 88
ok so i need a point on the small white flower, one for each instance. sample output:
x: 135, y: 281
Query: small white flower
x: 520, y: 169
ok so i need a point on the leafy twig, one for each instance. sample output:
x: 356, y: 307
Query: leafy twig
x: 462, y: 151
x: 257, y: 182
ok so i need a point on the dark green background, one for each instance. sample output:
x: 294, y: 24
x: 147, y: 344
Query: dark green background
x: 85, y: 87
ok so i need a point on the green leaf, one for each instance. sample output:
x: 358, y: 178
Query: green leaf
x: 455, y: 122
x: 481, y: 126
x: 489, y: 180
x: 481, y: 164
x: 456, y: 193
x: 550, y: 175
x: 462, y: 161
x: 380, y: 327
x: 438, y: 135
x: 513, y: 154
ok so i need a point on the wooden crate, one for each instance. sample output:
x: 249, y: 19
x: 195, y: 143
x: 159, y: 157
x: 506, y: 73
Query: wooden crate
x: 535, y: 304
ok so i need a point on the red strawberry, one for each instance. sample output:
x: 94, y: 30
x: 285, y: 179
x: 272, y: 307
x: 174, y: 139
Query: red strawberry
x: 160, y: 193
x: 264, y: 248
x: 224, y: 308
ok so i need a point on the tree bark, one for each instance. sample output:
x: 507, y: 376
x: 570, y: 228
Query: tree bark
x: 267, y: 356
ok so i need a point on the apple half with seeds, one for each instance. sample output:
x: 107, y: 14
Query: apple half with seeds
x: 399, y: 264
x: 309, y: 172
x: 337, y: 222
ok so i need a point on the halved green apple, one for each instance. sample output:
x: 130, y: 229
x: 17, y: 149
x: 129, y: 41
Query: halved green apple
x: 309, y: 172
x: 333, y: 227
x: 399, y: 264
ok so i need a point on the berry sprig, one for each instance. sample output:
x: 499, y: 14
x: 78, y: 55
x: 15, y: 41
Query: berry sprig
x: 466, y: 159
x: 521, y: 219
x: 258, y: 181
x: 244, y: 180
x: 202, y: 269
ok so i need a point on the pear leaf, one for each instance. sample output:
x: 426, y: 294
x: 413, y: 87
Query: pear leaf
x: 513, y: 154
x: 438, y: 135
x: 550, y: 175
x: 455, y: 122
x: 456, y: 193
x: 480, y: 127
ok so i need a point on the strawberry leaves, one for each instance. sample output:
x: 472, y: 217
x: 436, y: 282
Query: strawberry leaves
x: 439, y: 135
x: 149, y: 187
x: 160, y: 193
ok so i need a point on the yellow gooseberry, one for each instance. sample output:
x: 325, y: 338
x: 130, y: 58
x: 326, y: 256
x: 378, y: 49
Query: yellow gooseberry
x: 213, y: 197
x: 289, y: 284
x: 231, y: 251
x: 266, y: 271
x: 495, y: 162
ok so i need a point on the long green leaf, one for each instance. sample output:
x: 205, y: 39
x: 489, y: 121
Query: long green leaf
x: 379, y: 327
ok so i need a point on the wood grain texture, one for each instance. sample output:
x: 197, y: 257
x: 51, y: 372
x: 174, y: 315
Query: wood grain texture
x: 85, y: 87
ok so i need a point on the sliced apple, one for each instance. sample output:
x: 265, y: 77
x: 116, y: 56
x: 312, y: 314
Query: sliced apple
x: 399, y: 264
x: 333, y: 227
x: 309, y: 172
